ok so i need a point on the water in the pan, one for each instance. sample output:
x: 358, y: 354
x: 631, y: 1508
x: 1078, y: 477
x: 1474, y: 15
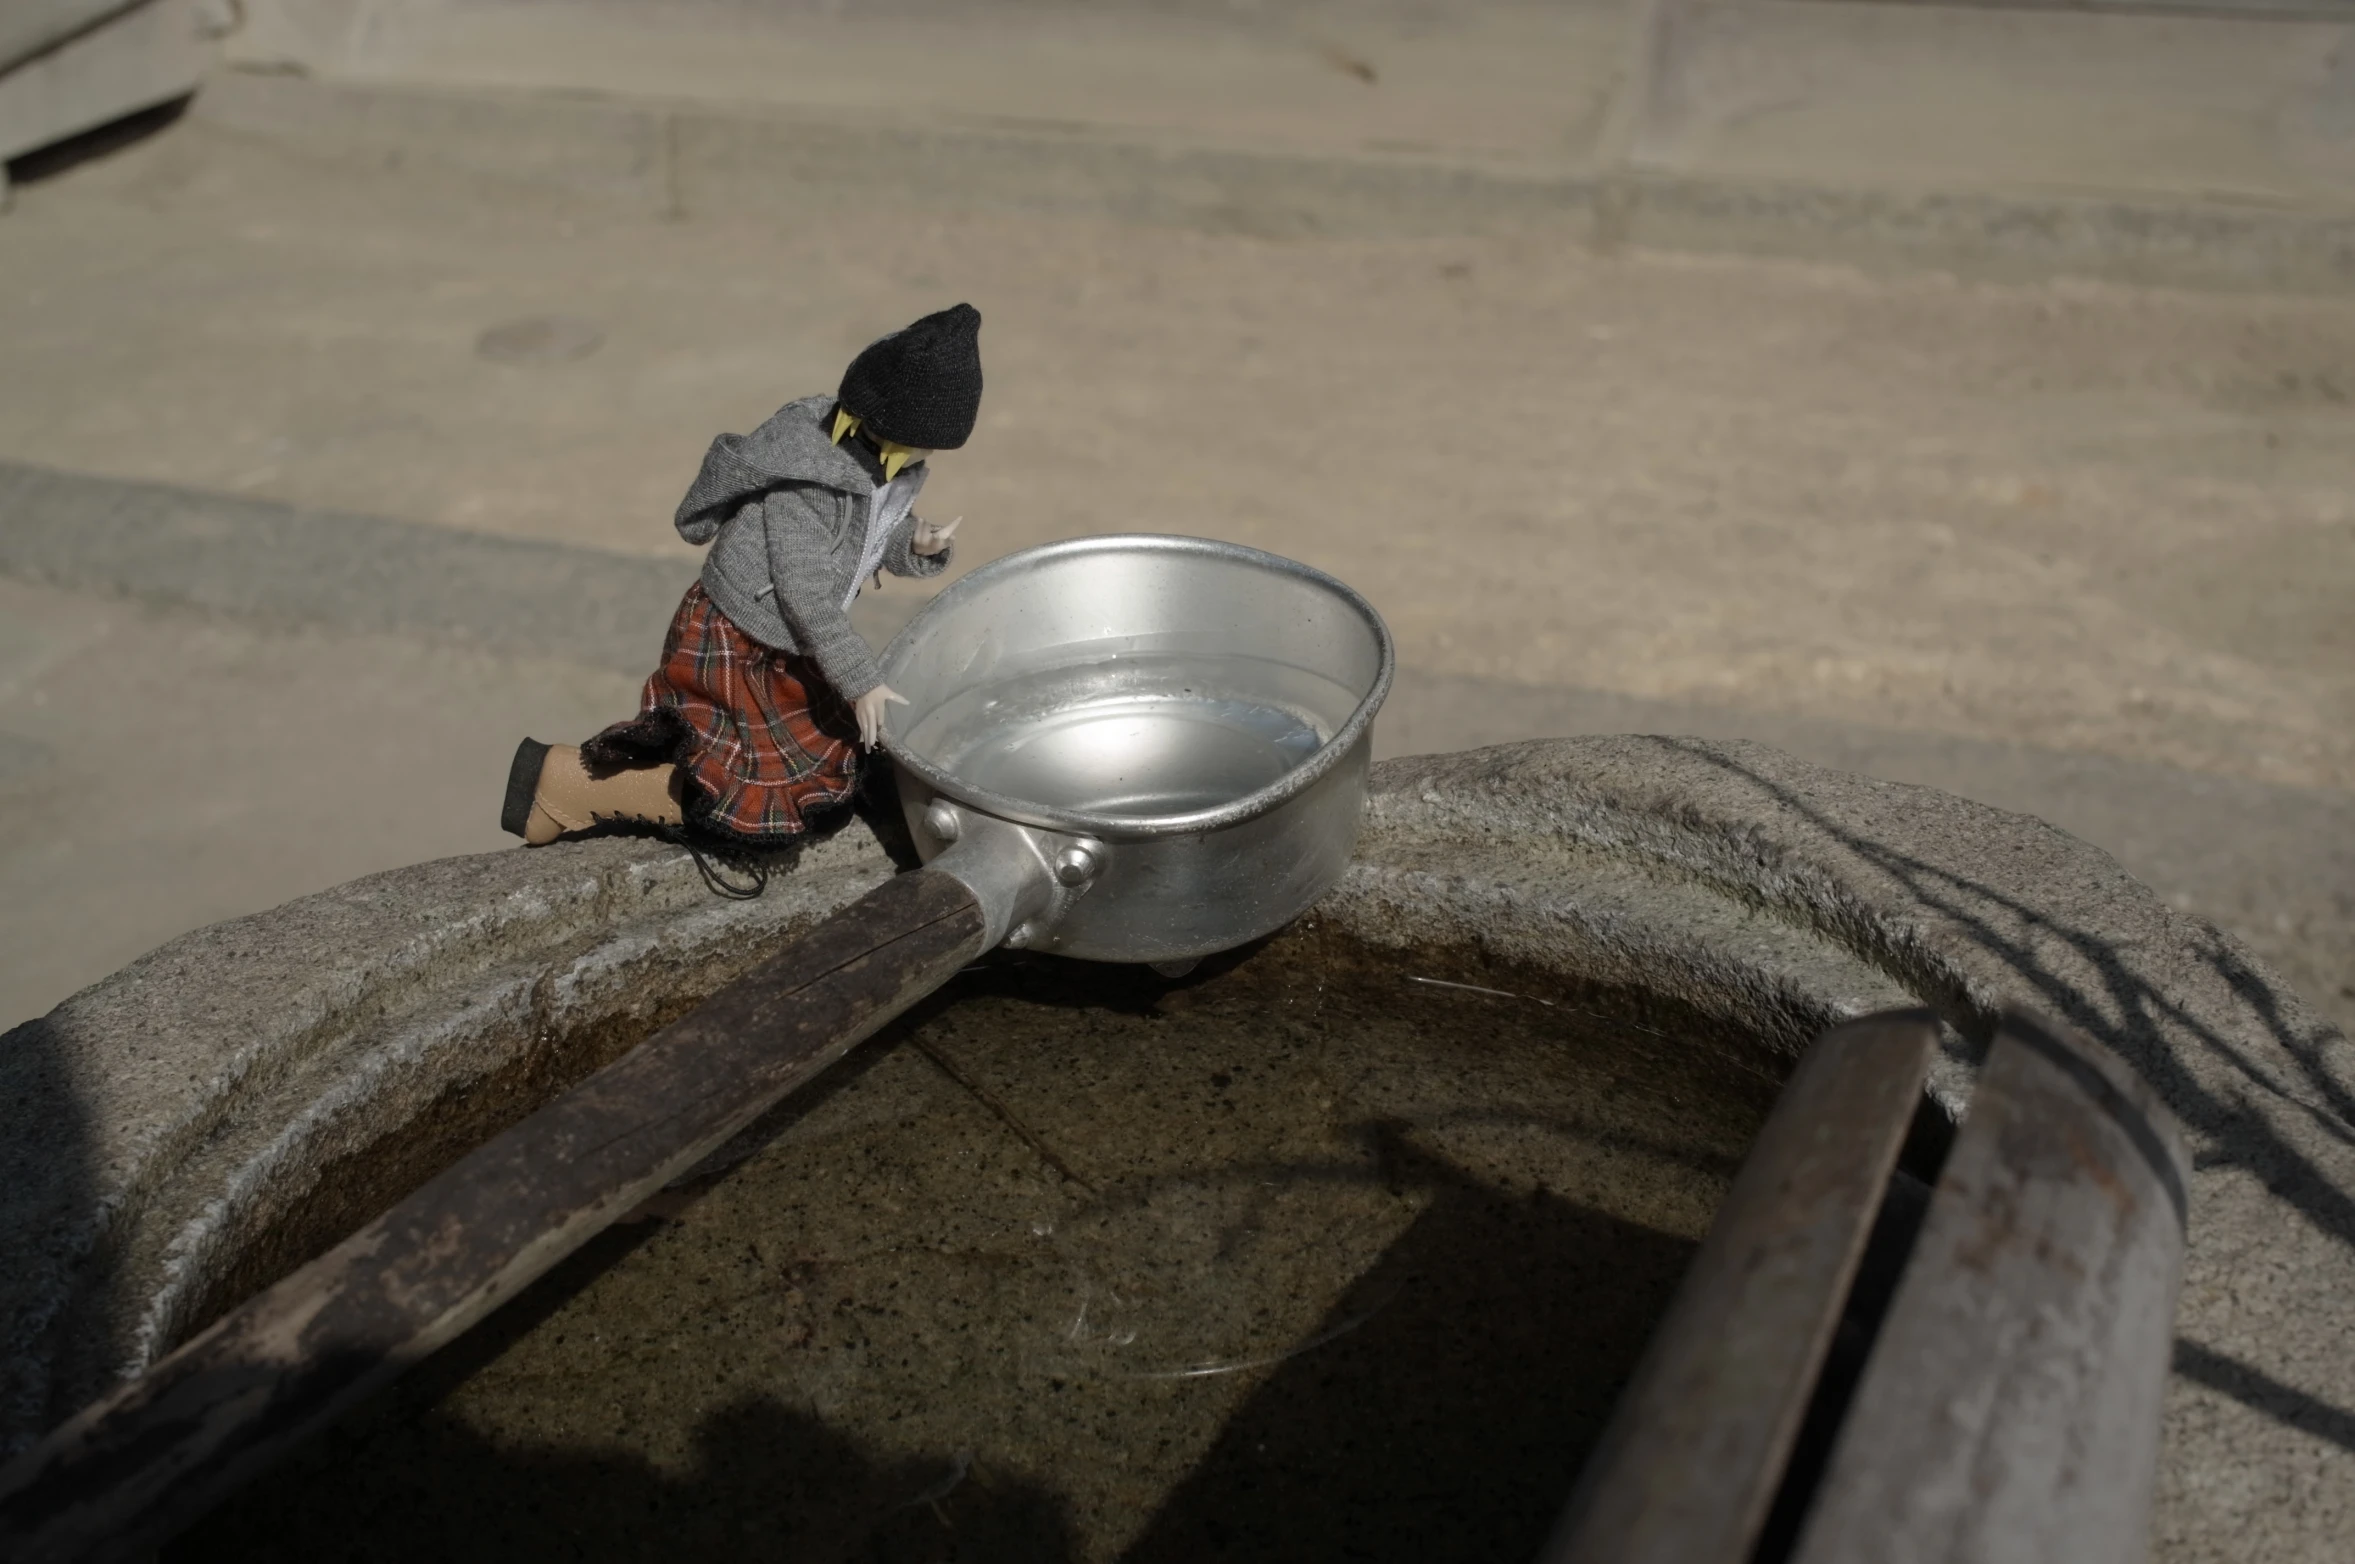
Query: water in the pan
x: 1131, y: 733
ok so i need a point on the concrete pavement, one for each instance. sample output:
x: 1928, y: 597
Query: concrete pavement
x: 2213, y: 144
x: 307, y: 697
x: 2069, y: 515
x: 2072, y: 547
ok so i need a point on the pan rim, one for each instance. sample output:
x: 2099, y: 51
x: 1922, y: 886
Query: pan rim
x: 1135, y: 827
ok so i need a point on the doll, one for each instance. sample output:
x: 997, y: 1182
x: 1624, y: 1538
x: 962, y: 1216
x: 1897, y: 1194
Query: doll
x: 754, y: 721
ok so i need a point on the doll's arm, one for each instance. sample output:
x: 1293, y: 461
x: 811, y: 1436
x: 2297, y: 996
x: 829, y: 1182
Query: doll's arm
x: 900, y: 556
x: 798, y: 522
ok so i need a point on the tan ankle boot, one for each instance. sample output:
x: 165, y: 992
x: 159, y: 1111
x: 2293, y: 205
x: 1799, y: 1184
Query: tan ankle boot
x: 550, y: 793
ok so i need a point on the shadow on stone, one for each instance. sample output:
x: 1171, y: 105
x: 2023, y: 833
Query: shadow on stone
x: 1439, y: 1412
x: 764, y: 1482
x: 2132, y: 1013
x: 63, y: 156
x: 1468, y: 1374
x: 2163, y: 1033
x: 2263, y: 1393
x: 47, y: 1197
x: 404, y: 1479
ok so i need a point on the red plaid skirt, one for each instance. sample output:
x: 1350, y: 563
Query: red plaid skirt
x: 768, y: 741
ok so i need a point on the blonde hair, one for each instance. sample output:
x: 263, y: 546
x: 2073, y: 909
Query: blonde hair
x: 895, y: 455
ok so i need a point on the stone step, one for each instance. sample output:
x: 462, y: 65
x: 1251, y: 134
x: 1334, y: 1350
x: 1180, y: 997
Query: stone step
x: 2200, y: 149
x: 2202, y: 108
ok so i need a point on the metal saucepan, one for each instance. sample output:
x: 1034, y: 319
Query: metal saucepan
x: 1122, y: 748
x: 1139, y: 748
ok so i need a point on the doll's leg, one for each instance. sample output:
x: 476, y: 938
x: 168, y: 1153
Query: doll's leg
x: 549, y: 792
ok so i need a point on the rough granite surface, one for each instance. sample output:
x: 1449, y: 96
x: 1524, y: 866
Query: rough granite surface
x: 168, y: 1134
x: 168, y: 1117
x: 1964, y: 907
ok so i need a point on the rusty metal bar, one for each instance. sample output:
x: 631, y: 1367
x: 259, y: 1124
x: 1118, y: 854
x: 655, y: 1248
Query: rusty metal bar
x: 128, y: 1471
x: 2009, y: 1413
x: 1696, y: 1453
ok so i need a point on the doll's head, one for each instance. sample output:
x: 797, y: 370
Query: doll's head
x: 915, y: 391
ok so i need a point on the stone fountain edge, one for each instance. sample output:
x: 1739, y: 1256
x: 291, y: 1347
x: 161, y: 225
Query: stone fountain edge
x: 179, y: 1110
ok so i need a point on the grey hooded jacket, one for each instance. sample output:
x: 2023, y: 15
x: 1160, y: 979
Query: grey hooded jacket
x: 789, y: 508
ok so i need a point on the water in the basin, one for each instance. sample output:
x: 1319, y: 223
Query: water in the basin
x: 1305, y: 1257
x: 1135, y: 734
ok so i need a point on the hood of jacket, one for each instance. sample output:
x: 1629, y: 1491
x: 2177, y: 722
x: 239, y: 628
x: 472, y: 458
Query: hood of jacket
x: 791, y: 447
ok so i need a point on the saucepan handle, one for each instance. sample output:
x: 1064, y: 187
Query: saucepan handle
x: 130, y: 1470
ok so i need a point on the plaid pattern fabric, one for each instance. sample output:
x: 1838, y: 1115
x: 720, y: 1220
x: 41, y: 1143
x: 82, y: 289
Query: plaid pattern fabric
x: 768, y: 742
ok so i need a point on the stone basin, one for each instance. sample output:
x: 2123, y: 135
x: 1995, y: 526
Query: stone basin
x: 1349, y: 1237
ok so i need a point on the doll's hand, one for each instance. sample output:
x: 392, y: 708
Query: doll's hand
x: 869, y: 708
x: 932, y: 537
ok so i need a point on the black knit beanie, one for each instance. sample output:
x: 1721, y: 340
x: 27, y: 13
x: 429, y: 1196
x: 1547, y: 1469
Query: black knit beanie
x: 921, y: 385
